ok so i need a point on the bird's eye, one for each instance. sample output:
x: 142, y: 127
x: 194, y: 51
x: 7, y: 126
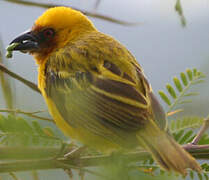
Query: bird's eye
x: 48, y: 33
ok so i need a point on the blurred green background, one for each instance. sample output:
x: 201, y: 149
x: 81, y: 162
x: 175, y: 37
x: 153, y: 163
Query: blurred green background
x: 161, y: 45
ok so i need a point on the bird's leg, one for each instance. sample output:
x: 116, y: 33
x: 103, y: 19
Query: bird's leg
x: 201, y: 132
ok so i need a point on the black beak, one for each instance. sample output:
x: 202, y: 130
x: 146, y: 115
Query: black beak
x: 27, y: 42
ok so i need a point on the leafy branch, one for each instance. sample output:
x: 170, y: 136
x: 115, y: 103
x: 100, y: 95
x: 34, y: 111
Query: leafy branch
x: 185, y: 123
x: 36, y: 147
x: 182, y: 128
x: 188, y: 79
x: 19, y: 78
x: 85, y: 161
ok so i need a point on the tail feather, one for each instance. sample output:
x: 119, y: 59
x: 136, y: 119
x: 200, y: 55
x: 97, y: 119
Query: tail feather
x: 168, y: 153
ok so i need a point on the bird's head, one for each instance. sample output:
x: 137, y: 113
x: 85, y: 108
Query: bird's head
x: 53, y: 30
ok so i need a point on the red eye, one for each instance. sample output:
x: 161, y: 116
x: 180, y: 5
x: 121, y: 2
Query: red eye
x: 48, y: 33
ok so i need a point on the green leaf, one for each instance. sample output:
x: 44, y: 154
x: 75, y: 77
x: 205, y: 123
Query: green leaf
x: 151, y: 161
x: 206, y: 176
x: 200, y: 74
x: 164, y: 97
x: 171, y: 91
x: 186, y: 137
x: 48, y: 131
x: 199, y: 176
x: 192, y: 94
x: 37, y: 128
x: 204, y: 139
x: 177, y: 84
x: 185, y: 101
x: 191, y: 175
x: 195, y: 72
x: 179, y: 10
x: 191, y: 77
x: 185, y: 123
x: 189, y: 74
x: 184, y: 79
x: 178, y: 7
x: 205, y: 167
x: 198, y: 82
x: 178, y: 135
x: 16, y: 131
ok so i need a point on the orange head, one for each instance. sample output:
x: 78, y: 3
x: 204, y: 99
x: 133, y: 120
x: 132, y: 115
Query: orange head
x: 53, y: 30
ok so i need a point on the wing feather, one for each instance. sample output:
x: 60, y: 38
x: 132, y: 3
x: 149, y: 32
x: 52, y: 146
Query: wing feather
x: 101, y: 112
x: 109, y: 102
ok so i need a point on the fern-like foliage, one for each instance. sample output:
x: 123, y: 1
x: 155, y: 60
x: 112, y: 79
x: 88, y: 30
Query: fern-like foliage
x: 182, y: 128
x: 179, y: 94
x: 155, y: 170
x: 16, y: 131
x: 185, y: 123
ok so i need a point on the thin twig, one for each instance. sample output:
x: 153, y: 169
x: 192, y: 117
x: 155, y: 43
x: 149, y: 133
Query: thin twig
x: 91, y: 14
x: 5, y: 84
x: 19, y: 78
x: 202, y: 130
x: 37, y: 112
x: 192, y: 147
x: 30, y: 114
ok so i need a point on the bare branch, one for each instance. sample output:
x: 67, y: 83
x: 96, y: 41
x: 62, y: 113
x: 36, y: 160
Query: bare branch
x: 91, y: 14
x: 202, y: 130
x: 5, y: 84
x: 19, y: 78
x: 30, y: 114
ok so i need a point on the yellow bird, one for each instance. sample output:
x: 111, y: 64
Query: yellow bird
x: 96, y: 91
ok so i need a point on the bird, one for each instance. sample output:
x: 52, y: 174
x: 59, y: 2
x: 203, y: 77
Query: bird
x: 96, y: 91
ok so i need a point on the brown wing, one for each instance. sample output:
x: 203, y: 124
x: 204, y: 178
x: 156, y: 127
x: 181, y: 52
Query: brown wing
x: 107, y: 107
x: 158, y: 113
